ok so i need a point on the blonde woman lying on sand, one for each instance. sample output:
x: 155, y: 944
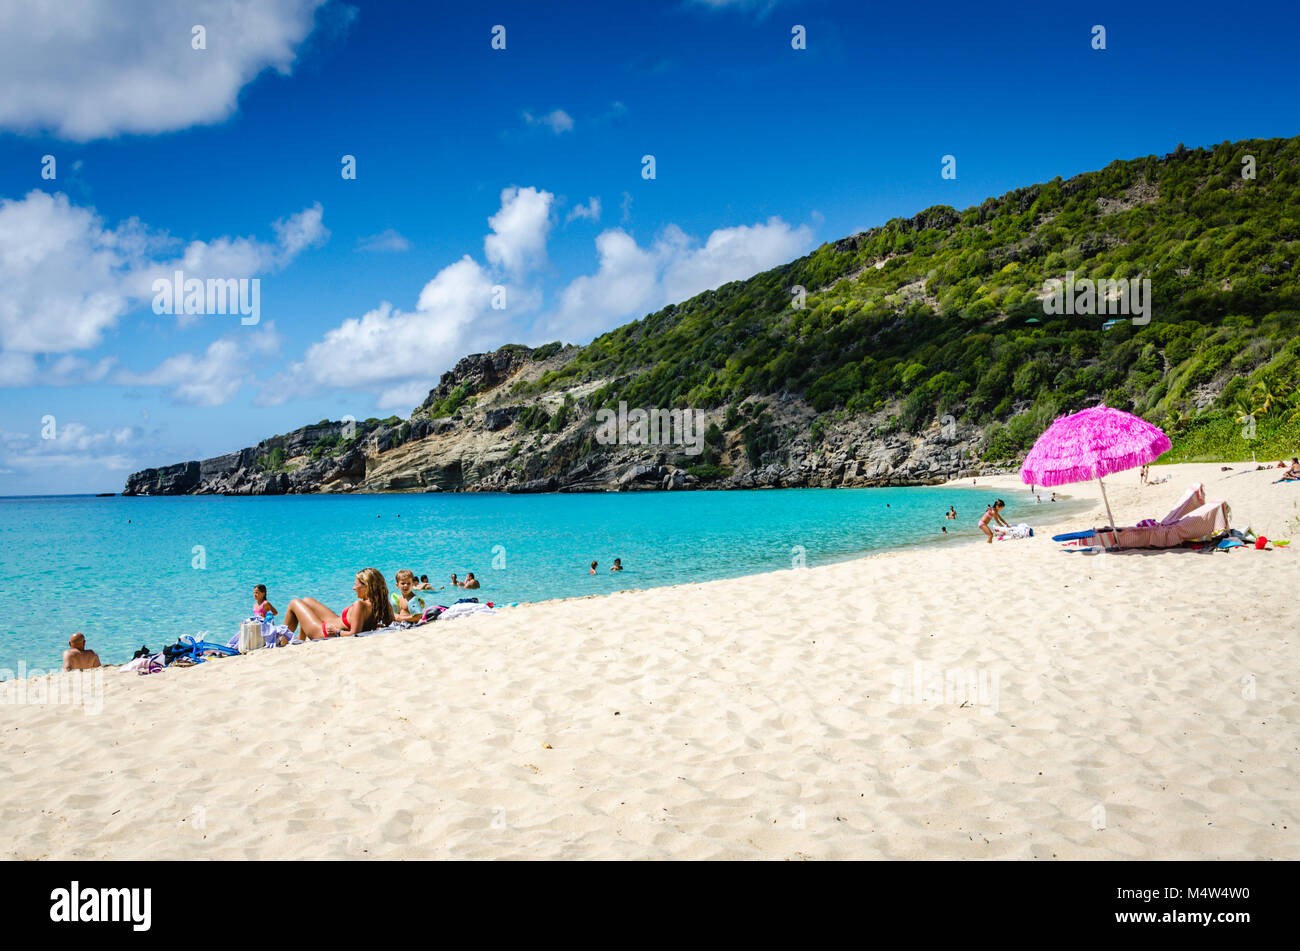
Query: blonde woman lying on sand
x: 370, y: 610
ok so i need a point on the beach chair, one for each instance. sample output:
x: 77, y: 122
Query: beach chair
x: 1192, y: 519
x: 1203, y: 522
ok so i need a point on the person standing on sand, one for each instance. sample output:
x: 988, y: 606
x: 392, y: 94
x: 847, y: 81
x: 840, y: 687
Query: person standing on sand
x: 76, y: 657
x: 994, y: 512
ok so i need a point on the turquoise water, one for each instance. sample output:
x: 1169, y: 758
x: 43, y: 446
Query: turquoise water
x: 123, y: 570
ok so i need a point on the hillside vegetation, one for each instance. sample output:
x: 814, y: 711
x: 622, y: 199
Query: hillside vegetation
x: 942, y: 313
x: 915, y: 352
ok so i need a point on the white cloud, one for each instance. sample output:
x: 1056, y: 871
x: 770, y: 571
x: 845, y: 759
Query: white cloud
x: 730, y: 254
x: 631, y: 281
x: 387, y: 240
x: 589, y: 211
x: 387, y: 345
x: 557, y: 120
x: 73, y: 445
x: 25, y: 369
x: 215, y: 376
x: 67, y: 277
x: 88, y: 69
x: 18, y: 369
x: 301, y: 231
x: 401, y: 353
x: 625, y: 284
x: 519, y: 229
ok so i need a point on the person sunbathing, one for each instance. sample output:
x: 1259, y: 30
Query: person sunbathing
x: 372, y: 609
x: 1293, y: 473
x: 76, y: 657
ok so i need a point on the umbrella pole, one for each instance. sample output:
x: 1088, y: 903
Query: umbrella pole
x: 1113, y: 527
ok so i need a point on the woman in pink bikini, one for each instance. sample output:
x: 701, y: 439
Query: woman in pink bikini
x: 373, y: 608
x: 994, y: 512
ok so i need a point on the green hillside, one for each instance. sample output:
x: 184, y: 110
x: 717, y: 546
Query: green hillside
x: 941, y: 313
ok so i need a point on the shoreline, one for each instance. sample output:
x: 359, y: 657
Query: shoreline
x: 963, y: 530
x: 1108, y: 716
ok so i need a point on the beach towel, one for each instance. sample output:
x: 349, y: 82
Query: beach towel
x: 1021, y: 530
x: 464, y: 610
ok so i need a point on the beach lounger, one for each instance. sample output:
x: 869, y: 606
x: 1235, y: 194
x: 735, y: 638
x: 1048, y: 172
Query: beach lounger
x: 1201, y: 523
x: 1192, y: 519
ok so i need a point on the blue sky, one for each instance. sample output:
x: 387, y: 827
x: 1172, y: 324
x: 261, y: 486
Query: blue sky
x: 477, y: 168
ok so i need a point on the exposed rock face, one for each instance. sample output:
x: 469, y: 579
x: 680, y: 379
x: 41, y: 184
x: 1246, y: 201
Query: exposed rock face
x: 477, y: 372
x: 486, y: 446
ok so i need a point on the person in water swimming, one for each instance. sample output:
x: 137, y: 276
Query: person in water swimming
x: 618, y: 565
x: 261, y: 606
x: 371, y: 609
x: 471, y: 581
x: 994, y: 513
x: 593, y: 569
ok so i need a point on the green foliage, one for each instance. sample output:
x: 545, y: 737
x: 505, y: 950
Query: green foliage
x: 759, y: 437
x: 274, y: 461
x: 1218, y: 436
x: 941, y: 327
x: 450, y: 403
x: 533, y: 418
x: 709, y: 472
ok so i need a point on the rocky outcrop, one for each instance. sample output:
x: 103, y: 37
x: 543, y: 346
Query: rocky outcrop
x: 486, y: 445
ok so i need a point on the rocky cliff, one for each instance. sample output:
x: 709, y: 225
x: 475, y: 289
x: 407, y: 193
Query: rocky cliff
x: 485, y: 428
x: 930, y: 347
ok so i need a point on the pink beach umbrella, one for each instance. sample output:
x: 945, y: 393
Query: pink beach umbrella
x: 1090, y: 444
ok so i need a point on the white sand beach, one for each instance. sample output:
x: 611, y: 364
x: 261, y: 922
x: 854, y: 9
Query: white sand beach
x: 1128, y: 706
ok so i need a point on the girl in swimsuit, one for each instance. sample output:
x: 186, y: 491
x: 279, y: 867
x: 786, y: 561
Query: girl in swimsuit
x: 261, y: 606
x: 995, y: 513
x: 372, y: 609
